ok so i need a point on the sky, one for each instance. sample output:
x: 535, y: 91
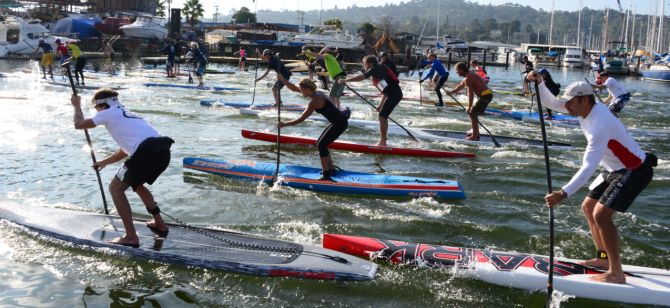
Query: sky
x: 641, y: 6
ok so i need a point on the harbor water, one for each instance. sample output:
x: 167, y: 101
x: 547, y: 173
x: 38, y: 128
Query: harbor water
x: 44, y: 162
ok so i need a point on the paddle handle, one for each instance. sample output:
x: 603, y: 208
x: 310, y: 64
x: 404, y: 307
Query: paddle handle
x: 550, y: 278
x: 90, y: 144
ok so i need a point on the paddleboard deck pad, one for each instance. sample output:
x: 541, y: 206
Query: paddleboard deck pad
x: 222, y: 103
x: 199, y: 247
x: 517, y: 270
x: 345, y: 182
x: 187, y: 86
x: 354, y: 147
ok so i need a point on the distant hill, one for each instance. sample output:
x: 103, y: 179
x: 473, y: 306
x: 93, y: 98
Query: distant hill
x: 512, y: 23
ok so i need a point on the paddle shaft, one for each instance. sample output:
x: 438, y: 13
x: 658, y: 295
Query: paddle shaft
x: 420, y: 76
x: 495, y: 142
x: 90, y: 144
x: 550, y: 278
x: 371, y: 104
x: 253, y: 96
x: 279, y: 103
x: 594, y: 92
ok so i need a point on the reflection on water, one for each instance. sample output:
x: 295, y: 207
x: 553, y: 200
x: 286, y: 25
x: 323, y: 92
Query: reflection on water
x: 42, y: 162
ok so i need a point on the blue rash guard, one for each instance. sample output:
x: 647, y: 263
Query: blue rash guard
x: 436, y: 67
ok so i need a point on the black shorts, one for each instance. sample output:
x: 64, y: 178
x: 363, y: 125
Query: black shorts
x: 621, y: 187
x: 481, y: 104
x: 148, y: 162
x: 390, y: 101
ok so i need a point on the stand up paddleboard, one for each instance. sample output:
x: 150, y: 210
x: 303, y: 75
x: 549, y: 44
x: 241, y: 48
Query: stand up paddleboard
x: 221, y: 103
x: 524, y: 271
x: 193, y: 87
x: 199, y: 247
x: 354, y: 147
x: 534, y: 117
x: 345, y: 182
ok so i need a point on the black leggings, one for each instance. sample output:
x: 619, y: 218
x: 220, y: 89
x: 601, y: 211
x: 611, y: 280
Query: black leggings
x: 438, y: 87
x: 79, y: 69
x: 329, y: 135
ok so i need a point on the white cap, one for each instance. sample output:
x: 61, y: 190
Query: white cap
x: 578, y: 88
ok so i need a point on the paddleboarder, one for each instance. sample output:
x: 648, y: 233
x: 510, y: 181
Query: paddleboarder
x: 148, y: 156
x: 628, y: 171
x: 80, y: 61
x: 47, y: 58
x: 243, y: 58
x: 529, y: 68
x: 334, y: 70
x: 436, y: 67
x: 387, y: 83
x: 386, y: 59
x: 274, y: 64
x: 554, y: 88
x: 476, y: 87
x: 617, y: 96
x: 108, y: 51
x: 337, y: 118
x: 474, y: 66
x: 170, y: 51
x: 199, y: 62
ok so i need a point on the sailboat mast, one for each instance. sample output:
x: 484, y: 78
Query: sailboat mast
x: 551, y: 24
x: 437, y: 35
x: 632, y: 33
x: 579, y: 24
x: 607, y: 16
x: 625, y: 37
x: 661, y: 16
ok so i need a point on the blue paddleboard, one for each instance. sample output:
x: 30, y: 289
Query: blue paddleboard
x: 345, y: 182
x: 187, y: 86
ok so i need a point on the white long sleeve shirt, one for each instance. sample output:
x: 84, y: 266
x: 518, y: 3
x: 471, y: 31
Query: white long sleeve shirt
x: 609, y: 143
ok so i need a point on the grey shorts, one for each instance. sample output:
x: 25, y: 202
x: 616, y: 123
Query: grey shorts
x: 336, y: 89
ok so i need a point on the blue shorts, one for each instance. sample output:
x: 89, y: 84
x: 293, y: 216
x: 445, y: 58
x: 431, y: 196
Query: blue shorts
x: 618, y: 103
x: 200, y: 70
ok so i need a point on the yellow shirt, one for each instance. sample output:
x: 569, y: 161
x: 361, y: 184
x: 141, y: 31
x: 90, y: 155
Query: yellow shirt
x: 76, y: 52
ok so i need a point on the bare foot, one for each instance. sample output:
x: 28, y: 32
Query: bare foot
x: 609, y: 277
x: 597, y: 263
x: 472, y: 138
x: 125, y: 242
x: 380, y: 144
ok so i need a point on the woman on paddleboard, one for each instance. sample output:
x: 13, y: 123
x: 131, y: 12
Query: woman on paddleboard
x: 320, y: 103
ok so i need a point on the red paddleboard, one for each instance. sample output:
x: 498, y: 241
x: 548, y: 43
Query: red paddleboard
x: 517, y: 270
x: 354, y: 147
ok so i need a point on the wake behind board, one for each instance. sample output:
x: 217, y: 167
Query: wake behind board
x: 344, y: 182
x: 222, y: 103
x: 193, y: 87
x: 509, y: 269
x: 199, y: 247
x: 354, y: 147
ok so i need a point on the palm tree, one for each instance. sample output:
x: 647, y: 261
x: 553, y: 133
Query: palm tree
x: 160, y: 8
x: 192, y: 11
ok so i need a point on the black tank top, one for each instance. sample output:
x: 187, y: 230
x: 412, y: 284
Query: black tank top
x: 329, y: 110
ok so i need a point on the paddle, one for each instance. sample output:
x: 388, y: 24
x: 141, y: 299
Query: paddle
x: 253, y: 96
x: 66, y: 65
x: 190, y: 79
x: 420, y: 90
x: 478, y: 122
x: 550, y: 278
x: 369, y: 103
x: 274, y: 175
x: 594, y: 92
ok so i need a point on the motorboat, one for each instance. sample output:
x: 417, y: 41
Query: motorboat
x: 659, y: 71
x: 573, y: 57
x: 147, y: 27
x: 21, y: 36
x: 112, y: 25
x: 327, y: 36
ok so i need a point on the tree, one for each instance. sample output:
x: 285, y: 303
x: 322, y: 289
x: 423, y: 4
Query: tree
x: 334, y: 22
x: 160, y: 8
x: 367, y: 28
x: 244, y: 16
x: 193, y: 11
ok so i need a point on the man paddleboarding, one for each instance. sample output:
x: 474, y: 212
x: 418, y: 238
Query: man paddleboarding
x: 476, y: 86
x: 617, y: 96
x: 337, y: 118
x: 148, y: 156
x: 628, y: 171
x: 387, y: 83
x: 274, y: 64
x: 436, y: 67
